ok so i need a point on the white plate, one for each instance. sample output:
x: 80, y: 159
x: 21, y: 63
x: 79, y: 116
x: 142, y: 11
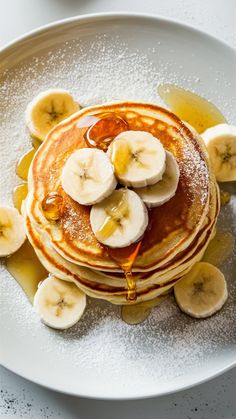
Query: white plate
x: 99, y: 58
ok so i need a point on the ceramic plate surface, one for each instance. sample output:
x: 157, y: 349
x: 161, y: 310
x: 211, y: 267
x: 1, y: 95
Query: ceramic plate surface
x: 100, y: 58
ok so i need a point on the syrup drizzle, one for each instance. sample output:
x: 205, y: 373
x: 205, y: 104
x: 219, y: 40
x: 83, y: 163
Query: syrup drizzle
x: 100, y: 135
x: 125, y: 258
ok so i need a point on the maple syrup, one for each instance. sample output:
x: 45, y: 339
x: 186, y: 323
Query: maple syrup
x: 138, y: 313
x: 102, y: 132
x: 189, y: 107
x: 36, y: 143
x: 52, y: 206
x: 219, y: 248
x: 125, y: 258
x: 19, y: 194
x: 116, y: 211
x: 224, y: 197
x: 25, y: 267
x: 24, y: 163
x: 121, y: 156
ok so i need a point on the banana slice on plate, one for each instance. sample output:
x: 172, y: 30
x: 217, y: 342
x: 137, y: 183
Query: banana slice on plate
x: 139, y: 158
x: 48, y: 109
x: 220, y: 141
x: 12, y: 231
x: 120, y: 219
x: 164, y: 190
x: 88, y: 176
x: 60, y: 304
x: 202, y: 291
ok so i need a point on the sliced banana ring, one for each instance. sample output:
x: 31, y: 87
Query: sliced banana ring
x: 48, y: 109
x: 220, y: 141
x: 202, y: 291
x: 164, y: 190
x: 120, y: 219
x: 138, y: 157
x: 60, y: 304
x: 12, y: 231
x: 88, y: 176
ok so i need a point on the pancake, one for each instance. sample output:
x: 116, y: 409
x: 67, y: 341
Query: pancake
x: 178, y: 233
x: 113, y: 287
x: 172, y: 226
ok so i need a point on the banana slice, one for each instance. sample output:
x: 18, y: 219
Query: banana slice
x: 138, y: 158
x: 12, y: 231
x: 88, y: 176
x: 60, y: 304
x: 164, y: 190
x: 119, y: 220
x: 202, y: 291
x: 48, y: 109
x: 220, y: 141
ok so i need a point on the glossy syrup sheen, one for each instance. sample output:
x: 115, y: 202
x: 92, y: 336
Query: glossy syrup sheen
x: 24, y: 163
x: 52, y: 206
x: 125, y: 258
x: 108, y: 126
x: 138, y: 313
x: 19, y: 194
x: 25, y: 267
x: 190, y: 107
x: 219, y: 248
x: 24, y: 264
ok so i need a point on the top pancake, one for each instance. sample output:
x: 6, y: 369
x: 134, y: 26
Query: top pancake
x: 172, y: 226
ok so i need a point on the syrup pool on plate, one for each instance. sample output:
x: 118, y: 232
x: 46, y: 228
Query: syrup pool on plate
x: 138, y: 313
x: 19, y: 194
x: 219, y: 248
x: 190, y: 107
x: 24, y: 163
x: 25, y: 267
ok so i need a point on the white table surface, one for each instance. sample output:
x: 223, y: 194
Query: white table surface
x: 22, y: 399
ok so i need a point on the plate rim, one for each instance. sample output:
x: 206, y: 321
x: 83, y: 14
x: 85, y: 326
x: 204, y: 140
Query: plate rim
x: 91, y: 17
x: 108, y: 15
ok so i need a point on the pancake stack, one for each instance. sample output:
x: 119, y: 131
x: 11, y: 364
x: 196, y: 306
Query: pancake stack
x: 178, y: 231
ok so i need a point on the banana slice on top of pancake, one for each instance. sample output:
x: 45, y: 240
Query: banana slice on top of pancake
x: 220, y: 141
x: 202, y: 291
x: 60, y: 304
x: 88, y: 176
x: 138, y: 157
x: 165, y: 189
x: 120, y: 219
x: 47, y: 109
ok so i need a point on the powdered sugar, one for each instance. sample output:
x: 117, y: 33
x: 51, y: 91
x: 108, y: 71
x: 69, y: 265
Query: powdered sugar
x: 169, y: 344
